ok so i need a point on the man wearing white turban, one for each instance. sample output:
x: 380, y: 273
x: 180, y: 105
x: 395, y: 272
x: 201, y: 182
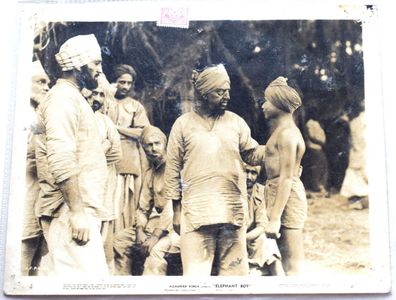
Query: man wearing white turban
x: 72, y: 165
x: 284, y: 191
x: 206, y: 180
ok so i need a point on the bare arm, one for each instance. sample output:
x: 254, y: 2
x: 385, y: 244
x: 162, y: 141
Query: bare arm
x: 133, y: 133
x: 138, y: 122
x: 152, y: 241
x: 162, y: 229
x: 287, y: 148
x: 78, y: 219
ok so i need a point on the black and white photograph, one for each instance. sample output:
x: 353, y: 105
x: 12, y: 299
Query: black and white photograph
x: 208, y: 154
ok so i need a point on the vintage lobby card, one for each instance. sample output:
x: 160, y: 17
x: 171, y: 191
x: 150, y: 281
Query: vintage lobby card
x: 329, y: 54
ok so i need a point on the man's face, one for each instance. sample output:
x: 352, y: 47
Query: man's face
x: 270, y: 111
x: 90, y: 73
x: 96, y: 99
x: 251, y: 176
x: 154, y: 148
x: 39, y: 88
x: 217, y: 100
x: 124, y: 85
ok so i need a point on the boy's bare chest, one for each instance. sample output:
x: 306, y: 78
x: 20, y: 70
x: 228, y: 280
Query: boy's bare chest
x: 271, y: 146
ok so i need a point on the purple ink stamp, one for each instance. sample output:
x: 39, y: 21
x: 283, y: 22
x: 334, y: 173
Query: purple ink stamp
x: 174, y: 17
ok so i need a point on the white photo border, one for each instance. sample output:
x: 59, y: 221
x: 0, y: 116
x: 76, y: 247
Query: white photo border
x: 377, y: 282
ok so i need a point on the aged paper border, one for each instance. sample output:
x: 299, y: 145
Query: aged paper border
x: 378, y: 282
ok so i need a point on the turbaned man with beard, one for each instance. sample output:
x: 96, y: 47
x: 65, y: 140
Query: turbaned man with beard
x: 206, y: 180
x: 111, y: 145
x: 72, y: 165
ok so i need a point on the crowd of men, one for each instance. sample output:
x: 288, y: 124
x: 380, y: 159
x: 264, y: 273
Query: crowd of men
x: 107, y: 191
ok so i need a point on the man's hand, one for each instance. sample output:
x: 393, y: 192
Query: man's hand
x: 80, y: 227
x: 141, y: 237
x: 272, y: 230
x: 78, y: 221
x: 149, y: 244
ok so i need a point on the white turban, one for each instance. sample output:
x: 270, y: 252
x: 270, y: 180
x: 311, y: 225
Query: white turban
x: 37, y: 69
x: 210, y: 79
x: 78, y: 51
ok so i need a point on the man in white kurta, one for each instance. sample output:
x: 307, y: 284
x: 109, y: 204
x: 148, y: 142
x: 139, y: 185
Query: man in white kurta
x: 72, y: 166
x: 112, y: 148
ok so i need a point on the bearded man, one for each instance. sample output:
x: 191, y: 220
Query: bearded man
x: 72, y: 165
x: 153, y: 235
x: 112, y: 148
x: 32, y: 237
x: 206, y: 180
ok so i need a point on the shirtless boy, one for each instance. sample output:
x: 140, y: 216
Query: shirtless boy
x: 284, y: 191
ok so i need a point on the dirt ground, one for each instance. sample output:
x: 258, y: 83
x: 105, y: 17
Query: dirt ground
x: 336, y: 237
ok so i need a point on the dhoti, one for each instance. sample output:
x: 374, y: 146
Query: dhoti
x: 295, y: 211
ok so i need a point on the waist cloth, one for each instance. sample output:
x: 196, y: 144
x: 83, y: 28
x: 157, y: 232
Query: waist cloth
x: 295, y: 211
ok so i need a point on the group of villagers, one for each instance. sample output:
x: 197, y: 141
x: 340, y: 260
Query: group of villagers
x: 110, y: 194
